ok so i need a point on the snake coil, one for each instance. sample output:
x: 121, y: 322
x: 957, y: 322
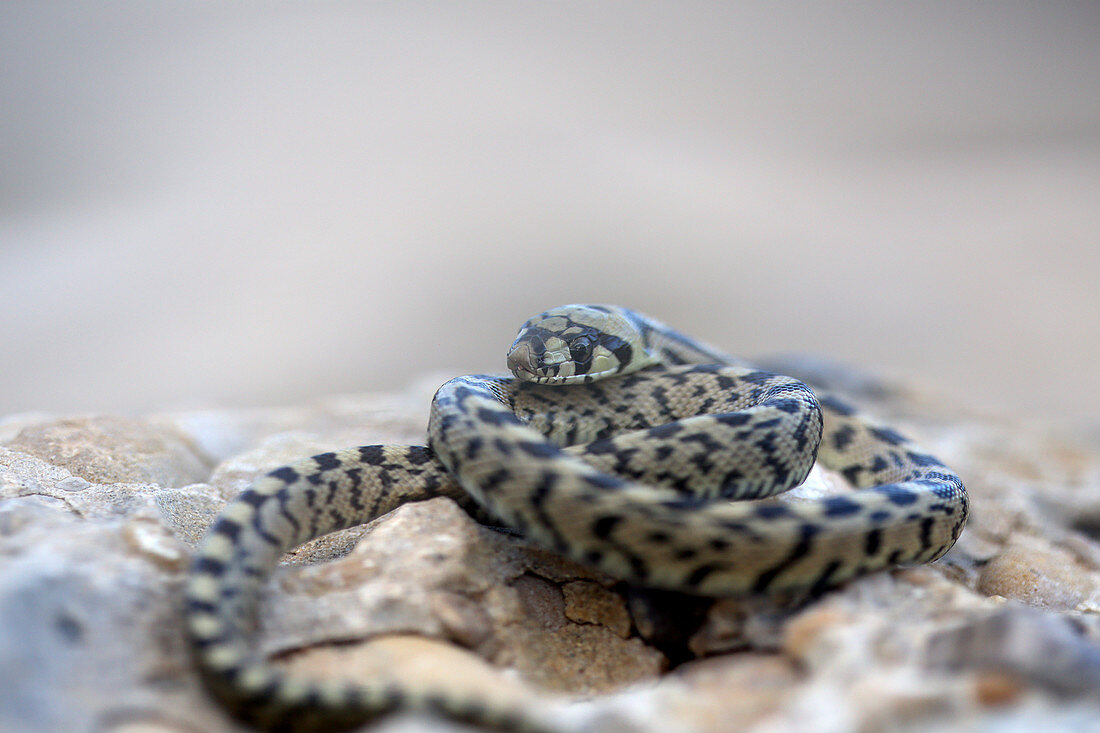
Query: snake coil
x: 617, y: 442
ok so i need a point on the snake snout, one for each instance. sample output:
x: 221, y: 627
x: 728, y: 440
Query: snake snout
x: 522, y: 360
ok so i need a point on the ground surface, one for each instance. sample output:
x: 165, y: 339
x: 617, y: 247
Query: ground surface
x: 99, y: 516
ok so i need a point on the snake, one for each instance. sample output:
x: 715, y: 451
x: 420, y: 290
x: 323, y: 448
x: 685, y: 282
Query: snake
x: 616, y: 441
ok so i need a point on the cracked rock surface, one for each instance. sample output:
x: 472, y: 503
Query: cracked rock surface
x: 99, y: 517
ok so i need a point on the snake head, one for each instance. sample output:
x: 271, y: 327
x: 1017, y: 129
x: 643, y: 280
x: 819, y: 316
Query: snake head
x: 577, y: 344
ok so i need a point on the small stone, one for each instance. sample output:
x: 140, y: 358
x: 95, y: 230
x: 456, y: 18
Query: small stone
x: 997, y: 689
x: 696, y: 695
x: 734, y: 624
x: 153, y: 541
x: 900, y: 699
x: 73, y: 483
x: 463, y: 619
x: 801, y: 635
x: 1038, y: 574
x: 723, y: 629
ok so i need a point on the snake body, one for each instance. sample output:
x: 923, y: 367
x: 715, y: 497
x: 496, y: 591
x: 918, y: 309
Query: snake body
x: 618, y: 442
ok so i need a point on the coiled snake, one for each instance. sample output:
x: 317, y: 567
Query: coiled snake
x: 630, y: 474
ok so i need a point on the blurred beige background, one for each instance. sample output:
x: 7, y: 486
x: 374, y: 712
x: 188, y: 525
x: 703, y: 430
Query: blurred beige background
x: 256, y: 203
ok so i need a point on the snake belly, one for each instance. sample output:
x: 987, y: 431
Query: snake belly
x: 632, y: 475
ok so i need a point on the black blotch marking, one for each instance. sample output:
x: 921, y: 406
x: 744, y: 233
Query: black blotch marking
x: 667, y: 430
x: 872, y: 542
x: 799, y: 551
x: 842, y: 438
x: 851, y: 474
x: 771, y: 511
x: 623, y: 351
x: 705, y: 441
x: 837, y: 405
x: 417, y: 455
x: 312, y: 699
x: 701, y: 573
x: 733, y: 419
x: 788, y: 405
x: 730, y: 480
x: 773, y: 423
x: 926, y: 532
x: 539, y: 449
x: 286, y: 474
x: 718, y: 544
x: 825, y: 579
x: 69, y: 627
x: 758, y: 377
x: 372, y: 455
x: 603, y: 481
x: 210, y: 565
x: 603, y: 526
x: 495, y: 417
x: 897, y: 495
x: 254, y: 498
x: 840, y: 506
x: 227, y: 527
x: 887, y: 435
x: 356, y: 495
x: 922, y: 459
x: 474, y: 446
x: 327, y: 461
x: 493, y: 481
x: 196, y: 605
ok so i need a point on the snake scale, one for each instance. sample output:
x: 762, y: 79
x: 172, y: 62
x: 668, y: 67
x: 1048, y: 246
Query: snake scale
x: 619, y: 443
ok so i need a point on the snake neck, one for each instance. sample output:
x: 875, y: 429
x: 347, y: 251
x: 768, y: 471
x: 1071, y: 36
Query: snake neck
x: 667, y: 346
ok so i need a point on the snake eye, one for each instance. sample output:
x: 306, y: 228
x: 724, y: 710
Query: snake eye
x: 581, y: 349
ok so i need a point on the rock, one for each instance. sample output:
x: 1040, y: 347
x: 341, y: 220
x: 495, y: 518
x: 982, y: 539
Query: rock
x: 429, y: 569
x: 1034, y: 571
x: 108, y: 449
x: 99, y: 517
x: 91, y: 627
x: 1022, y: 643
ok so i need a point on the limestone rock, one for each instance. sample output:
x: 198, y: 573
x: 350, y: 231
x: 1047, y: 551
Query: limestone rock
x: 99, y: 517
x: 114, y: 450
